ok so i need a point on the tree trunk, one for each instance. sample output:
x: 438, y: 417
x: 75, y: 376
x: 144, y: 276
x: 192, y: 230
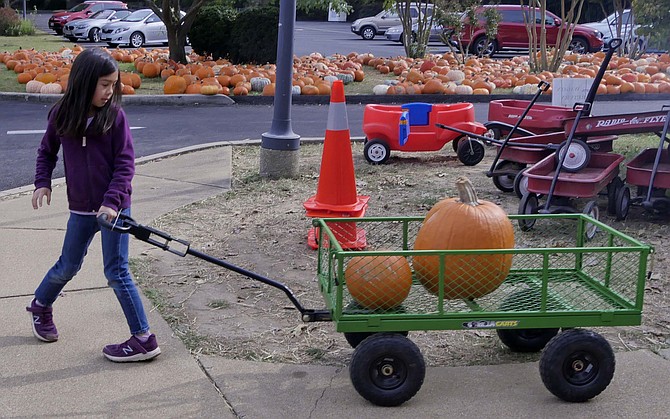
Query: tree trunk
x: 177, y: 46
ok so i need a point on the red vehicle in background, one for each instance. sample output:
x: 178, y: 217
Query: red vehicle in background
x: 512, y: 31
x: 81, y: 11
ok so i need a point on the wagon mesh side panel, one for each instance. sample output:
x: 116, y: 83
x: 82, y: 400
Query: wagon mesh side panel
x: 541, y: 280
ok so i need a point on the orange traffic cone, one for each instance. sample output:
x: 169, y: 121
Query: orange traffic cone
x: 336, y: 191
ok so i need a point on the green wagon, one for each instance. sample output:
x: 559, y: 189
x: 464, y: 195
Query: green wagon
x: 558, y: 282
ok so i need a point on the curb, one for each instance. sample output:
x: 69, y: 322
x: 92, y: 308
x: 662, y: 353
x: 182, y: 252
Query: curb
x: 222, y: 100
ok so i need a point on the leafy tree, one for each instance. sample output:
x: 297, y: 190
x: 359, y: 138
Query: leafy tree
x: 178, y: 26
x: 415, y: 42
x: 539, y: 58
x: 454, y: 16
x: 653, y: 16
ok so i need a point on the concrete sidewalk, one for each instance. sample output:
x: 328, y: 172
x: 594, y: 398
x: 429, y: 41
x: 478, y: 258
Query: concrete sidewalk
x: 70, y: 378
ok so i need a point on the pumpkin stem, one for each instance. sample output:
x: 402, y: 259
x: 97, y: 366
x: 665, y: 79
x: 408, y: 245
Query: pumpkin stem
x: 466, y: 192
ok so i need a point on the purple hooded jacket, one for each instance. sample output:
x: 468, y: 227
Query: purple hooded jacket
x: 99, y: 169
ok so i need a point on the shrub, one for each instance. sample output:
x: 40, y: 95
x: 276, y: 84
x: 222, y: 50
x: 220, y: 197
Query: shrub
x: 12, y: 25
x: 8, y: 20
x: 210, y: 32
x: 254, y: 36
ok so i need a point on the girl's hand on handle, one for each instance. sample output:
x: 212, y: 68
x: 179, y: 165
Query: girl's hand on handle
x: 38, y: 196
x: 111, y: 214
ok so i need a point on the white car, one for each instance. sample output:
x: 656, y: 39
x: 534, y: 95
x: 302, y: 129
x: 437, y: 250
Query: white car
x: 609, y: 26
x: 138, y: 28
x: 90, y: 28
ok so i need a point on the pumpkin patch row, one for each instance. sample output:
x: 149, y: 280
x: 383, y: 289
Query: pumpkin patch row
x: 313, y: 74
x: 443, y: 74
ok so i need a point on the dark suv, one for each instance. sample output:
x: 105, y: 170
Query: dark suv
x: 81, y: 11
x: 512, y: 32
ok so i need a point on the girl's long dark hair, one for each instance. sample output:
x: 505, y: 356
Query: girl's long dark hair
x: 73, y: 108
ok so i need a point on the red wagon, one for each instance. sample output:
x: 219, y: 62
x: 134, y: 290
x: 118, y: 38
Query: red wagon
x: 382, y: 128
x: 601, y: 171
x: 540, y: 119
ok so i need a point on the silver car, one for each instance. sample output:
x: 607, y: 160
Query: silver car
x: 90, y: 28
x: 368, y: 27
x: 395, y: 33
x: 140, y: 27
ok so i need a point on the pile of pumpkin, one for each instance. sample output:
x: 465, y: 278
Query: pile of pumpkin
x: 443, y: 74
x: 461, y: 223
x: 41, y: 72
x: 312, y: 74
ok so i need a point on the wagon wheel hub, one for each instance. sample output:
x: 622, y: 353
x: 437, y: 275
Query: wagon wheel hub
x: 578, y: 365
x: 387, y: 370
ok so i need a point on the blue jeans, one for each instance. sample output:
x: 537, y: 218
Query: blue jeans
x: 78, y: 236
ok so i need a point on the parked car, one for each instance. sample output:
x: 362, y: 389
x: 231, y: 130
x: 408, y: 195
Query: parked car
x: 369, y: 27
x: 395, y: 33
x: 138, y: 28
x: 512, y: 32
x: 81, y: 11
x: 90, y: 28
x: 609, y: 27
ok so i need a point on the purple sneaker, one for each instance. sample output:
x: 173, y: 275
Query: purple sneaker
x: 133, y: 350
x: 44, y: 328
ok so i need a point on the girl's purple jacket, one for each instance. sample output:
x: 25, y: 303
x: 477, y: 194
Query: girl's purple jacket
x: 99, y: 169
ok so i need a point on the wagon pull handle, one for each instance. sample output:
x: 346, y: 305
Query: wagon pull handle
x: 542, y: 87
x: 127, y: 225
x: 582, y: 106
x: 614, y: 43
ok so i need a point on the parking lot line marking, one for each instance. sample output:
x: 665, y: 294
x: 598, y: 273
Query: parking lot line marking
x: 42, y: 131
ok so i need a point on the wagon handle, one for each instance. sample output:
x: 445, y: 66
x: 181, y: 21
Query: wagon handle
x: 581, y: 108
x: 613, y: 44
x: 127, y: 225
x: 542, y: 87
x: 647, y: 203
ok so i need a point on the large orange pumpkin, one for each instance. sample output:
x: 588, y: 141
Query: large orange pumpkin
x: 459, y: 224
x: 378, y: 282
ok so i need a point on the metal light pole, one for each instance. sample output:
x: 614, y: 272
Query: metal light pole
x: 280, y: 147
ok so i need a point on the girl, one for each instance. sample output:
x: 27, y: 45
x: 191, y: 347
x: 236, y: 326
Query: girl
x: 99, y: 161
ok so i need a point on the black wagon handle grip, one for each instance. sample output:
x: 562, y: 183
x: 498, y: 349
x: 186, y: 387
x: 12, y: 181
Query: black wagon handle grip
x: 118, y: 224
x: 614, y: 43
x: 543, y: 85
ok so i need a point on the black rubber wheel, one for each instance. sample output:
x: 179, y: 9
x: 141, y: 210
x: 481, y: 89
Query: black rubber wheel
x: 494, y: 133
x: 368, y: 32
x: 612, y: 190
x: 520, y: 184
x: 591, y: 209
x: 376, y: 152
x: 526, y: 340
x: 355, y: 338
x: 470, y: 151
x: 577, y: 158
x: 528, y: 205
x: 622, y: 203
x: 505, y: 182
x: 94, y: 35
x: 577, y: 365
x: 136, y: 39
x: 387, y: 369
x: 454, y: 143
